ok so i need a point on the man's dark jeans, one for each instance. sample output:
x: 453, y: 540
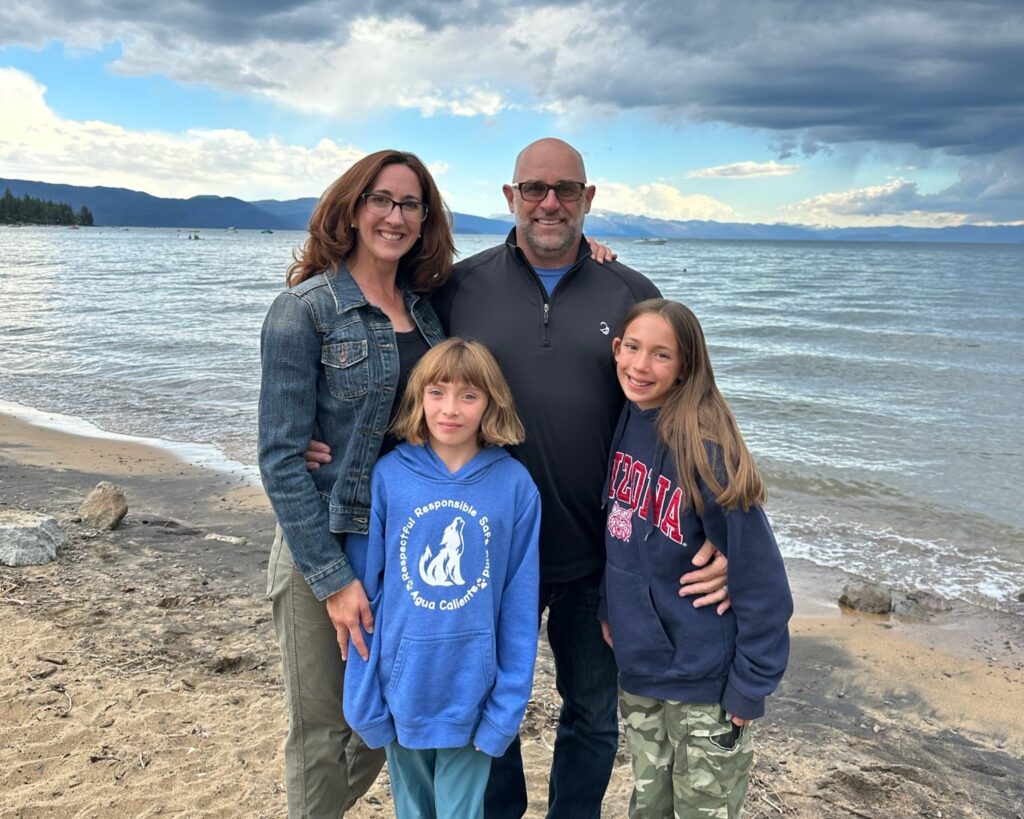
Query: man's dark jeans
x: 587, y: 735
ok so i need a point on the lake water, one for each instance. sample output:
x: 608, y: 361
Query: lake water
x: 878, y: 385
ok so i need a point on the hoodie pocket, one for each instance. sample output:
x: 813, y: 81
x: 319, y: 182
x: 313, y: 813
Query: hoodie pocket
x: 347, y: 368
x: 641, y: 645
x: 442, y: 677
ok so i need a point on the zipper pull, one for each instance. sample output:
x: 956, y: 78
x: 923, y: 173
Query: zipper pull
x: 547, y: 311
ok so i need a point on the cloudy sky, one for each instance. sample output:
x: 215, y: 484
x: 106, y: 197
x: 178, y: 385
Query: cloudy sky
x: 862, y: 113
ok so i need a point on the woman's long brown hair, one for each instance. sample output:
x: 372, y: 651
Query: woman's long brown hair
x: 332, y: 239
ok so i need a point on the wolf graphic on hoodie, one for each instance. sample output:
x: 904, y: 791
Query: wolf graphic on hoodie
x: 450, y: 566
x: 445, y: 568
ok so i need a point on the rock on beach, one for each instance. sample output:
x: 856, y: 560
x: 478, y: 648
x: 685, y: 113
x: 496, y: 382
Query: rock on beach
x: 104, y: 507
x: 29, y: 538
x: 875, y: 598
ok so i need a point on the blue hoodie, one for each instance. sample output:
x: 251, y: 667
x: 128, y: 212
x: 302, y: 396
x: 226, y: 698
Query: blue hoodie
x: 665, y: 648
x: 451, y: 571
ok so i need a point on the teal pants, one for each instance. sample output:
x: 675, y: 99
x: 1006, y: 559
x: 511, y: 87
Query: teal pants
x: 443, y: 783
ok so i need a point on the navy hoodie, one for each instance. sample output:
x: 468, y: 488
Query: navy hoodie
x: 450, y: 567
x: 665, y: 648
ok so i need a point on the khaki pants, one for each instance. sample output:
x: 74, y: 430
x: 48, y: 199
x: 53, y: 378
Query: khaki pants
x: 327, y: 766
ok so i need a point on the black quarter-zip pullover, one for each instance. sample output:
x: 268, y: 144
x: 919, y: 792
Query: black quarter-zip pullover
x: 556, y: 352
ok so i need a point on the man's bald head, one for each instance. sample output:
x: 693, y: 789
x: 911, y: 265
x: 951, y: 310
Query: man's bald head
x: 549, y: 151
x: 548, y: 230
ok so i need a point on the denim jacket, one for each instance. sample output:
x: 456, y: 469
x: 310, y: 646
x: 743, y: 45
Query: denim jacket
x: 330, y: 368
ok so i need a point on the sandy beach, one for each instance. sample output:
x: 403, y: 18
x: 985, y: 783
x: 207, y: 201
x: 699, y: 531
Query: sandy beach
x: 139, y: 673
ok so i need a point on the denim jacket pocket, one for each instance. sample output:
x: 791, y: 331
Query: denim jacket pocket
x: 347, y: 367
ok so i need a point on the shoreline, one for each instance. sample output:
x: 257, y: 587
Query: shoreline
x: 168, y: 696
x: 91, y: 453
x: 206, y: 456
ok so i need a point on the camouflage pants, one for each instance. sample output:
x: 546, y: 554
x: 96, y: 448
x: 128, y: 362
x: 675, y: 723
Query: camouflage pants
x: 687, y: 760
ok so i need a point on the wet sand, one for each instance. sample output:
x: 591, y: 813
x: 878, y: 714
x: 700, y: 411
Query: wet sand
x: 139, y: 673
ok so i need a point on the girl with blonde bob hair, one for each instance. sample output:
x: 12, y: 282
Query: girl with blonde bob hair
x: 450, y: 563
x: 470, y: 362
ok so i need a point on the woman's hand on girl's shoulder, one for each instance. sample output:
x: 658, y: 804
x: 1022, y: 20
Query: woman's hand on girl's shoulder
x: 316, y: 453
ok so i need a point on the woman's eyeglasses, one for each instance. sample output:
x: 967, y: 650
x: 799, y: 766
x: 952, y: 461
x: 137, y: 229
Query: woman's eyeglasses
x: 380, y: 205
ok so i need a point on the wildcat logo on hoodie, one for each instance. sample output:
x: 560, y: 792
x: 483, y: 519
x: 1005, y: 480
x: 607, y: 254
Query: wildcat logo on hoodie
x: 620, y: 522
x: 438, y: 551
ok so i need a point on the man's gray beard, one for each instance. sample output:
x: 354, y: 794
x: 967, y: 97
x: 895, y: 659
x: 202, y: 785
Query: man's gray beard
x: 542, y: 250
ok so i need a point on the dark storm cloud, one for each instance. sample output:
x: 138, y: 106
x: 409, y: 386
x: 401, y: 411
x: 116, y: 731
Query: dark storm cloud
x: 946, y: 75
x: 936, y: 74
x: 223, y: 22
x: 230, y: 22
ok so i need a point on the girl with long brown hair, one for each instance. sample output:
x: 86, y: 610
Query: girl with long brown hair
x: 679, y: 473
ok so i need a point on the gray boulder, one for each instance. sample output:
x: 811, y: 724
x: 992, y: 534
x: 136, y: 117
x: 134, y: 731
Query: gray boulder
x: 104, y: 507
x: 29, y: 538
x: 862, y: 595
x: 930, y: 601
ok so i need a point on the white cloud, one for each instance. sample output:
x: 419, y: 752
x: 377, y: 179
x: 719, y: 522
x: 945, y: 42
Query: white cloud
x: 469, y: 102
x: 745, y: 170
x: 26, y: 116
x: 37, y: 144
x: 895, y: 202
x: 661, y: 201
x: 381, y: 64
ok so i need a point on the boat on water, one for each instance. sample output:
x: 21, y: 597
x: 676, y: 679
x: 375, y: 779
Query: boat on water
x: 649, y: 240
x: 266, y: 230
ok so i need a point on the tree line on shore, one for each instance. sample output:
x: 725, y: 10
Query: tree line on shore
x: 29, y: 211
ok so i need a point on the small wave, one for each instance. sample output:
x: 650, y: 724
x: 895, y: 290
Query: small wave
x: 981, y: 576
x: 206, y: 455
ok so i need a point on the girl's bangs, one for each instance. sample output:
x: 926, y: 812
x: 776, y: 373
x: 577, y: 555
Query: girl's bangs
x: 458, y: 364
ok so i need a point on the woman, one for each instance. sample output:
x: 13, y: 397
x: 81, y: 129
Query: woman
x: 336, y: 349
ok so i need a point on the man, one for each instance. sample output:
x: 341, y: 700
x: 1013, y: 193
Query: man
x: 548, y: 312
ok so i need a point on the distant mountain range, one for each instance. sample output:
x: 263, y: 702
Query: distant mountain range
x: 119, y: 206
